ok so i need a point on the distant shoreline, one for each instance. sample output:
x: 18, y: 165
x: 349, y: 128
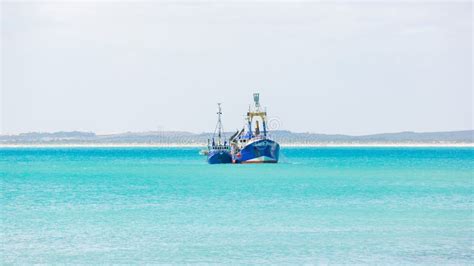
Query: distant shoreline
x: 463, y: 138
x: 178, y: 145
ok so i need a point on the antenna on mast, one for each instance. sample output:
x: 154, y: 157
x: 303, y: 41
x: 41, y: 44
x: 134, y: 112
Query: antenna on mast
x: 256, y: 99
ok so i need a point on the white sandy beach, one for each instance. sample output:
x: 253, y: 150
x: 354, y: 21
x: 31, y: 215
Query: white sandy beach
x: 196, y: 145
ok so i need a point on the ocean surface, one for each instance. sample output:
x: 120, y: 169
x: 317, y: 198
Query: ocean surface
x: 166, y: 205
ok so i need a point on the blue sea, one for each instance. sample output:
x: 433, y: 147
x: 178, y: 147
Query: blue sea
x: 166, y: 205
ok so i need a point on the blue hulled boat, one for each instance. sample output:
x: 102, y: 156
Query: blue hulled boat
x: 254, y: 146
x: 218, y: 148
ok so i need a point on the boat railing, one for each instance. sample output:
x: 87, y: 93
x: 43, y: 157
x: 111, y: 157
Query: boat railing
x: 219, y: 147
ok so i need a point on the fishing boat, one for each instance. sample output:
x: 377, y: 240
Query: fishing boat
x: 218, y: 148
x: 252, y: 144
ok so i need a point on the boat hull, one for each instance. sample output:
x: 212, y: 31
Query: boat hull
x: 219, y: 156
x: 260, y: 151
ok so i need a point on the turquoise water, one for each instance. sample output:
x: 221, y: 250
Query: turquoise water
x: 166, y: 205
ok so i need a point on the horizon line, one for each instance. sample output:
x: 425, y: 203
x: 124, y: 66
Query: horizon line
x: 198, y: 133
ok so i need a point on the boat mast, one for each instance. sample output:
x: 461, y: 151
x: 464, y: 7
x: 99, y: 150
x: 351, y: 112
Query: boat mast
x: 219, y: 124
x: 257, y: 112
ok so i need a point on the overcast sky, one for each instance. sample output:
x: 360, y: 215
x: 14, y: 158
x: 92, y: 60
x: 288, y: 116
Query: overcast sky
x: 351, y: 68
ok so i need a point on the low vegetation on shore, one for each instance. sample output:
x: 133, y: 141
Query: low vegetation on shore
x: 288, y: 138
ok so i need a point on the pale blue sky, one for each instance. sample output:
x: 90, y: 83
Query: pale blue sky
x: 351, y: 68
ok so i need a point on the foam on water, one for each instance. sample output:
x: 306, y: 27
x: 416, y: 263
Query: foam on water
x: 166, y: 205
